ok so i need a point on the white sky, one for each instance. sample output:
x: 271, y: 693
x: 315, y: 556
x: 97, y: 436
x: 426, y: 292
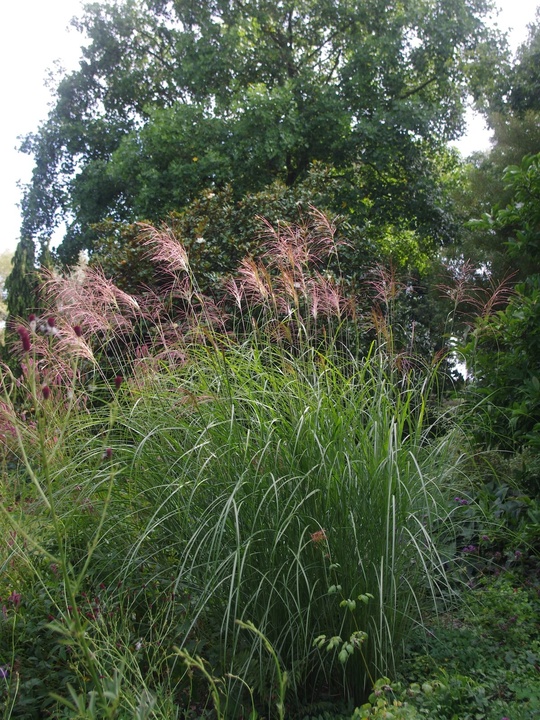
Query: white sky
x: 36, y: 35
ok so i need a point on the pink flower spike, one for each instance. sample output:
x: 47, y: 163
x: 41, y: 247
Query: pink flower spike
x: 46, y: 392
x: 51, y: 322
x: 118, y: 380
x: 25, y: 338
x: 77, y: 330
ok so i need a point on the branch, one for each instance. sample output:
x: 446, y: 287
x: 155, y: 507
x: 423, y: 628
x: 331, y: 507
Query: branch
x: 418, y: 88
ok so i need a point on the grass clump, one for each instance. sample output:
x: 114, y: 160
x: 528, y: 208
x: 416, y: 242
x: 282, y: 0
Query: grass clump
x: 288, y: 491
x: 229, y: 504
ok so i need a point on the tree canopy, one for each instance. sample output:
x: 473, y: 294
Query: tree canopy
x: 484, y: 188
x: 174, y: 99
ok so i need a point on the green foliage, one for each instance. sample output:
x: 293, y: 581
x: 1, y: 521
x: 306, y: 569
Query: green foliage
x: 219, y: 231
x: 20, y: 287
x: 21, y: 283
x: 241, y: 514
x: 237, y: 516
x: 522, y: 216
x: 35, y: 660
x: 516, y: 614
x: 525, y: 93
x: 254, y: 468
x: 503, y: 350
x: 482, y: 664
x: 385, y: 704
x: 175, y: 99
x: 483, y: 188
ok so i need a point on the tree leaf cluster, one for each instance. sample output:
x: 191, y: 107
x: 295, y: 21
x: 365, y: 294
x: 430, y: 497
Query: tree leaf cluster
x: 175, y: 99
x: 483, y: 188
x: 504, y: 349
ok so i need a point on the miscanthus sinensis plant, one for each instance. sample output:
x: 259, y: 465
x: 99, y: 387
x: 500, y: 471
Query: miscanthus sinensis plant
x: 224, y: 489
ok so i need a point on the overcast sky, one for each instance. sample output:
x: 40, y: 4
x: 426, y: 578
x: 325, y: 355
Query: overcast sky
x: 36, y: 37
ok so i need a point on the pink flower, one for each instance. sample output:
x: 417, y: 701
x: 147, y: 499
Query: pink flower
x: 25, y: 338
x: 46, y: 392
x: 318, y: 536
x: 118, y: 380
x: 15, y: 598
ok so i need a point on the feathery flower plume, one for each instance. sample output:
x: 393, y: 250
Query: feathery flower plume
x: 465, y: 291
x: 286, y: 246
x: 461, y: 281
x: 8, y: 421
x: 165, y: 248
x: 386, y: 284
x: 299, y: 245
x: 326, y: 297
x: 255, y: 280
x: 236, y: 291
x: 91, y: 301
x: 497, y: 296
x: 72, y: 344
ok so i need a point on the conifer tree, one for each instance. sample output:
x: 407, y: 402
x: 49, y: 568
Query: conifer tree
x: 21, y: 285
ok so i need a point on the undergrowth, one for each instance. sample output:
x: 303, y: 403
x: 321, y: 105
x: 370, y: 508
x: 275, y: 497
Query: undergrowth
x: 230, y: 509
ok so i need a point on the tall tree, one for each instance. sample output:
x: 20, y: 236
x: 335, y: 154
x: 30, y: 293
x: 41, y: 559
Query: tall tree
x: 484, y: 188
x: 175, y: 98
x: 20, y: 284
x: 525, y: 92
